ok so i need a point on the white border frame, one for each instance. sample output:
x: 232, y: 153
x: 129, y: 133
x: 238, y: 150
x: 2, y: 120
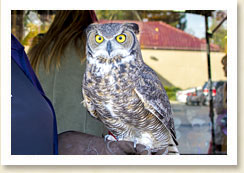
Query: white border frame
x: 8, y: 159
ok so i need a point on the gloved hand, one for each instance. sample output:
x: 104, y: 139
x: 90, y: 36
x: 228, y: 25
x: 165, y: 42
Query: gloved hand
x: 77, y: 143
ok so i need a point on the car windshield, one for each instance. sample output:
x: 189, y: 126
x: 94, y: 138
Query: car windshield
x: 218, y: 84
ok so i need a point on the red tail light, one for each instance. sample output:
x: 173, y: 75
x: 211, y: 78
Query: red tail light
x: 205, y: 90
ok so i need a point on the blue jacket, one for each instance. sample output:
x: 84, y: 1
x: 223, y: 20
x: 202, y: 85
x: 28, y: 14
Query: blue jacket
x: 33, y: 121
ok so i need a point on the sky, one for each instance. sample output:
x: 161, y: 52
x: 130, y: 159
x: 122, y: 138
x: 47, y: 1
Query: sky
x: 195, y: 25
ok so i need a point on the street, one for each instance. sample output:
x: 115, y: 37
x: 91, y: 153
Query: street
x: 193, y: 128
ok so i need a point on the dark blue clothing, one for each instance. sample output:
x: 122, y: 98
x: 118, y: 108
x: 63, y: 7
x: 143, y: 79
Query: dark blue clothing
x: 33, y: 122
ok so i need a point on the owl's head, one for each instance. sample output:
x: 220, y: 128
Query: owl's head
x: 111, y: 39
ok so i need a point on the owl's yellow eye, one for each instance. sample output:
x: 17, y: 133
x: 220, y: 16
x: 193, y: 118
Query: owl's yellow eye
x: 121, y: 38
x: 99, y: 39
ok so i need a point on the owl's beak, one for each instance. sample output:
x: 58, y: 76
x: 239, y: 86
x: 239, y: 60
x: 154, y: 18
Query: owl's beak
x: 109, y: 47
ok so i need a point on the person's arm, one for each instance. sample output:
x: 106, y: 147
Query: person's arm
x: 77, y: 143
x: 219, y: 104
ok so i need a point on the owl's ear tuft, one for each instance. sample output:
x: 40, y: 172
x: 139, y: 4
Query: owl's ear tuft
x: 90, y: 27
x: 133, y: 26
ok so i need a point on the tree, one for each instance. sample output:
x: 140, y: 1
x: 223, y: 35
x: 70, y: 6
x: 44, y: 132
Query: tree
x: 116, y: 15
x: 17, y: 23
x: 26, y: 24
x: 220, y: 36
x: 172, y: 18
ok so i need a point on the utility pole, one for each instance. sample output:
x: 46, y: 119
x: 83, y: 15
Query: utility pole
x: 211, y: 112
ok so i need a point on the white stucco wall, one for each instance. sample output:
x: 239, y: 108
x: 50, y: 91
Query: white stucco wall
x: 184, y: 69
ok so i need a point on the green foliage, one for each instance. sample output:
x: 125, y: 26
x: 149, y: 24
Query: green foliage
x: 170, y: 17
x: 173, y: 18
x: 33, y: 31
x: 116, y: 15
x: 171, y: 92
x: 220, y: 36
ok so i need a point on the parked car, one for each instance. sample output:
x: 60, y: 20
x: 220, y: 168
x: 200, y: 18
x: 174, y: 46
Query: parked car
x: 196, y: 97
x: 182, y: 94
x: 205, y: 89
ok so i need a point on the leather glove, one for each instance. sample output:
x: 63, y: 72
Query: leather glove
x: 77, y: 143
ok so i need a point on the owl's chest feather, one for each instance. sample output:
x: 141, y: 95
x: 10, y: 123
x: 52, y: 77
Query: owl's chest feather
x: 106, y: 75
x: 113, y: 92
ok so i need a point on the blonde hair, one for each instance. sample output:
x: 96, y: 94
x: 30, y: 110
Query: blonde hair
x: 68, y: 26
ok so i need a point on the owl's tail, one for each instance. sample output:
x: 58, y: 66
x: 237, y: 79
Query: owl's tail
x: 172, y: 148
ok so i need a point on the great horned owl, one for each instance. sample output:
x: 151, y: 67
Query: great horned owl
x: 122, y: 91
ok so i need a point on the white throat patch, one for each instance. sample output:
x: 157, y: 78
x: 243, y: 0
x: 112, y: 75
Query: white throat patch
x: 104, y: 68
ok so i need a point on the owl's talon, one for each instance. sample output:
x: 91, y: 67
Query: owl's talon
x: 108, y: 147
x: 109, y: 137
x: 135, y: 142
x: 105, y: 137
x: 166, y: 151
x: 83, y: 103
x: 148, y: 149
x: 120, y: 137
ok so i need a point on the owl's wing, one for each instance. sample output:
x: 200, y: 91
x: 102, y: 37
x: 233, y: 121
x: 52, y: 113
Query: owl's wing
x: 87, y: 99
x: 152, y: 93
